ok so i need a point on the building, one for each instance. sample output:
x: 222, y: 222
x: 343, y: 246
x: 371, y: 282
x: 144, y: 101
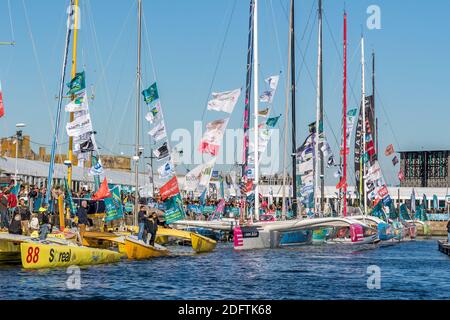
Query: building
x: 425, y: 169
x: 24, y: 151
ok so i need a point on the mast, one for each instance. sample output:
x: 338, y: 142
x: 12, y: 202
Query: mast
x: 138, y: 108
x: 256, y: 97
x: 375, y: 134
x: 74, y: 71
x: 318, y: 167
x: 288, y: 88
x: 59, y: 106
x: 345, y: 117
x: 294, y: 132
x: 247, y: 105
x: 363, y: 92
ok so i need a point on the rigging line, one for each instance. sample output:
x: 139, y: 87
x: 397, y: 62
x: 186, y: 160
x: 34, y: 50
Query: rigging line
x: 272, y: 14
x: 149, y: 47
x: 387, y: 117
x: 11, y: 22
x: 38, y: 64
x: 219, y: 58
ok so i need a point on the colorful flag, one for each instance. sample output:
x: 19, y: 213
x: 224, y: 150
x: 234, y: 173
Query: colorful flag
x: 79, y: 126
x: 268, y: 95
x: 401, y: 175
x: 395, y: 161
x: 389, y: 150
x: 113, y: 205
x: 80, y: 103
x: 169, y: 189
x: 151, y: 94
x: 103, y: 192
x: 154, y: 113
x: 2, y: 107
x: 162, y: 152
x: 96, y: 170
x: 166, y: 170
x: 158, y: 132
x: 272, y: 122
x: 264, y: 113
x: 200, y: 175
x: 77, y: 84
x: 212, y: 139
x: 174, y: 210
x: 341, y: 184
x: 224, y: 101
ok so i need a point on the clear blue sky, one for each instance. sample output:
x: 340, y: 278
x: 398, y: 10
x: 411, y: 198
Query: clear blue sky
x: 185, y: 38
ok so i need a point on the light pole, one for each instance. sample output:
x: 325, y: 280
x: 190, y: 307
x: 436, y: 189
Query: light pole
x: 18, y: 136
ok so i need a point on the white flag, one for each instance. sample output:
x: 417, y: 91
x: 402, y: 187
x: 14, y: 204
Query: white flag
x: 96, y: 170
x: 268, y: 95
x: 166, y: 170
x: 212, y: 139
x: 154, y: 113
x: 224, y: 101
x: 80, y: 103
x: 79, y: 126
x: 273, y: 82
x: 200, y: 175
x: 158, y: 132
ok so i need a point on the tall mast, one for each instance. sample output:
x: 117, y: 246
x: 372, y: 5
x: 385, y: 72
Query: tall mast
x: 59, y: 107
x: 363, y: 93
x: 247, y: 104
x: 318, y: 167
x: 74, y: 71
x: 344, y: 101
x: 138, y: 108
x: 294, y: 132
x: 256, y: 97
x: 286, y: 111
x: 375, y: 134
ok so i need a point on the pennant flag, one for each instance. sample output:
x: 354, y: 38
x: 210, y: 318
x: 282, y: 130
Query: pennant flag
x: 80, y: 103
x: 224, y: 101
x: 166, y: 170
x: 158, y: 132
x: 264, y: 113
x: 272, y: 122
x: 273, y: 82
x: 341, y: 184
x: 103, y: 192
x: 162, y: 152
x: 389, y: 150
x: 2, y: 107
x: 87, y: 146
x: 395, y: 161
x: 113, y: 205
x: 267, y: 97
x: 151, y: 94
x: 174, y: 209
x: 169, y: 189
x: 96, y: 170
x: 199, y: 176
x: 79, y: 126
x: 154, y: 113
x: 212, y: 139
x: 77, y: 84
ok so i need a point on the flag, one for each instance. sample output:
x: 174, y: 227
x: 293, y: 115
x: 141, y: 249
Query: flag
x: 2, y: 107
x: 199, y: 176
x: 435, y: 202
x: 389, y: 150
x: 273, y: 82
x: 169, y: 189
x: 264, y: 113
x: 395, y: 161
x: 158, y: 132
x: 401, y: 175
x: 267, y: 96
x: 166, y: 170
x: 80, y: 103
x: 174, y: 210
x: 103, y: 192
x: 151, y: 94
x: 212, y: 139
x: 154, y: 113
x: 341, y: 184
x: 413, y: 201
x: 113, y: 205
x: 202, y: 198
x: 87, y: 146
x: 79, y: 126
x: 224, y: 101
x: 96, y: 169
x: 272, y: 122
x: 77, y: 84
x: 162, y: 152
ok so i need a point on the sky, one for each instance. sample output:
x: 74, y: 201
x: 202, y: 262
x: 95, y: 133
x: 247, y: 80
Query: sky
x: 193, y: 48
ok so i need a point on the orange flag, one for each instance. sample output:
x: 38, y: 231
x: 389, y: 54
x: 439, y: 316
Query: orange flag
x: 103, y: 192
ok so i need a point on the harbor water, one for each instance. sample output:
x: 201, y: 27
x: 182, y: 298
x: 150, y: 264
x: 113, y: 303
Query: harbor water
x: 410, y: 270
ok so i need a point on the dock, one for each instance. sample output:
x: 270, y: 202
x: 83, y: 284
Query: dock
x: 444, y: 247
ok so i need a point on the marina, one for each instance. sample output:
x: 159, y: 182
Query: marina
x: 292, y: 185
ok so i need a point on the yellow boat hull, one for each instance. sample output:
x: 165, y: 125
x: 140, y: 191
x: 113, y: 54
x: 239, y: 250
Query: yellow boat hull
x: 137, y: 250
x: 42, y: 256
x: 201, y: 243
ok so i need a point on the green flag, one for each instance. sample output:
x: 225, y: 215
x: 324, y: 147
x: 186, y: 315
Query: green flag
x: 77, y: 84
x: 174, y: 209
x: 151, y: 94
x: 114, y: 208
x: 272, y: 122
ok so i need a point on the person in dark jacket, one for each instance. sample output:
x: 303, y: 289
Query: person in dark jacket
x: 83, y: 220
x: 44, y: 228
x: 15, y: 227
x: 25, y: 216
x: 142, y: 216
x: 153, y: 228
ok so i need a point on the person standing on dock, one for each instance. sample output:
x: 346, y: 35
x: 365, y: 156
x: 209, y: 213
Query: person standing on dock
x: 25, y: 215
x: 4, y: 223
x: 44, y: 229
x: 142, y: 216
x: 82, y: 215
